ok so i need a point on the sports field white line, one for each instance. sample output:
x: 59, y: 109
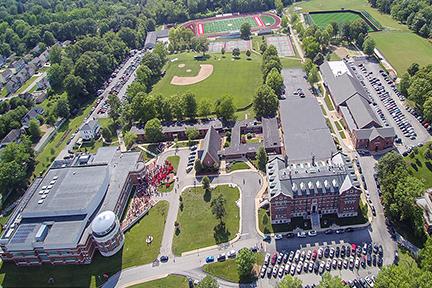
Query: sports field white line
x: 200, y: 29
x: 258, y: 20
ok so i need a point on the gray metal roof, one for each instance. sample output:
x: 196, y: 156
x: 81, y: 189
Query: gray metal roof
x: 78, y: 193
x: 212, y: 143
x: 362, y: 112
x: 271, y: 133
x: 373, y: 133
x: 342, y: 85
x: 150, y: 40
x: 305, y: 132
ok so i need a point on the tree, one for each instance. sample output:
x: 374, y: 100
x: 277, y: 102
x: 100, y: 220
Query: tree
x: 245, y: 31
x: 208, y: 282
x: 115, y: 107
x: 279, y: 7
x: 106, y: 133
x: 413, y: 69
x: 236, y: 52
x: 311, y: 47
x: 56, y: 76
x: 398, y: 276
x: 34, y: 130
x: 427, y: 109
x: 275, y: 81
x: 55, y: 54
x: 62, y: 108
x: 153, y: 130
x: 245, y: 261
x: 262, y: 158
x: 205, y: 108
x: 248, y: 53
x: 223, y: 51
x: 225, y: 108
x: 200, y: 44
x: 189, y: 105
x: 329, y: 281
x: 369, y: 46
x: 218, y: 207
x: 404, y: 84
x: 263, y: 47
x: 265, y: 102
x: 198, y: 166
x: 129, y: 139
x: 308, y: 64
x: 206, y: 183
x: 426, y: 255
x: 290, y: 282
x: 74, y: 86
x: 312, y: 76
x: 192, y: 133
x: 284, y: 22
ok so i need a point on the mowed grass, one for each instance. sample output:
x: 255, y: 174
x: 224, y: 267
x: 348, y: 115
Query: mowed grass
x: 400, y: 46
x: 230, y: 24
x: 135, y: 252
x: 419, y: 166
x: 323, y: 19
x: 171, y: 281
x: 199, y: 228
x: 402, y: 49
x: 238, y: 78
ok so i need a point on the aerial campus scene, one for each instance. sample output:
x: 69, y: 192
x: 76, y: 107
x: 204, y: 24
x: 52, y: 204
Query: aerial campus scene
x: 208, y: 144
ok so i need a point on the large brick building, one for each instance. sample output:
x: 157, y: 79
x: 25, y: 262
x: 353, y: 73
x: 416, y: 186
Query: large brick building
x: 311, y: 189
x: 352, y: 102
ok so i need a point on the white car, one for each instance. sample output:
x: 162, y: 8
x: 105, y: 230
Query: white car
x: 231, y: 254
x: 281, y: 271
x: 267, y: 259
x: 293, y: 269
x: 299, y: 267
x: 287, y: 268
x: 278, y: 236
x: 312, y: 233
x: 301, y: 234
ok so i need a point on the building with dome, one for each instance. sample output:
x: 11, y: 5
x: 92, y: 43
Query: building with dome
x: 72, y: 210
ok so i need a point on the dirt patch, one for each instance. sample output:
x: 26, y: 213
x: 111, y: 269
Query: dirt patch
x: 188, y: 70
x: 205, y: 71
x: 181, y: 65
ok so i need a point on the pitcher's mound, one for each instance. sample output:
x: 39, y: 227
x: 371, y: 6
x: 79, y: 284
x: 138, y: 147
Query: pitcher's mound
x: 205, y: 71
x: 188, y: 70
x: 181, y: 65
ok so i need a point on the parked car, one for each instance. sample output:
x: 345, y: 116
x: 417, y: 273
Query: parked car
x: 209, y: 259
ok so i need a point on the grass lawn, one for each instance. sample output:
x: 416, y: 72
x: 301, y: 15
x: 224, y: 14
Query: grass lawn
x: 171, y: 281
x: 256, y: 42
x: 291, y: 63
x: 266, y: 227
x: 410, y: 47
x: 323, y: 110
x: 334, y: 57
x: 323, y: 19
x: 58, y: 143
x: 338, y: 125
x: 402, y: 48
x: 183, y: 144
x: 135, y: 252
x: 238, y: 165
x: 238, y: 78
x: 3, y: 92
x: 27, y: 84
x: 419, y: 166
x: 342, y: 134
x: 227, y: 270
x: 329, y: 102
x: 230, y: 24
x: 198, y: 226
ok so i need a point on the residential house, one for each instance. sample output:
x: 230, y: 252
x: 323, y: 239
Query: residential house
x: 2, y: 60
x: 5, y: 75
x: 31, y: 114
x: 13, y: 85
x: 13, y: 136
x: 43, y: 83
x: 40, y: 96
x: 18, y: 65
x: 90, y: 130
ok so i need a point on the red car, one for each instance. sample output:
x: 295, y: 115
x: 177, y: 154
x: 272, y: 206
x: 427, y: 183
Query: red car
x: 353, y: 248
x: 314, y: 255
x: 274, y: 258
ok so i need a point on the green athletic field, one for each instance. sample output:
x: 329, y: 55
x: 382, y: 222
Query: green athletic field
x: 238, y: 78
x: 323, y: 19
x: 230, y: 24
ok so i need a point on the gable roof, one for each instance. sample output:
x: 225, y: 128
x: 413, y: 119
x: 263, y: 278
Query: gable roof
x: 362, y: 112
x: 339, y: 80
x: 211, y: 144
x: 373, y: 133
x: 12, y: 136
x: 90, y: 125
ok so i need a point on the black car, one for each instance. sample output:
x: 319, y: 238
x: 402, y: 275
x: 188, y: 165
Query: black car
x: 380, y: 261
x: 374, y: 260
x: 369, y: 260
x: 337, y: 251
x: 342, y: 252
x: 348, y: 251
x: 164, y: 258
x: 289, y: 235
x: 380, y: 250
x: 328, y: 231
x: 326, y: 251
x: 349, y: 230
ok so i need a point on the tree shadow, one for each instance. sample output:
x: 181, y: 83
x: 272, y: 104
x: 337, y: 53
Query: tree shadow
x: 419, y: 163
x: 221, y: 233
x: 414, y: 166
x: 207, y: 195
x: 429, y: 166
x: 177, y: 231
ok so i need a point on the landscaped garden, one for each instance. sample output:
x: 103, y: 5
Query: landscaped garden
x: 198, y: 227
x: 171, y: 281
x: 135, y: 252
x: 238, y: 78
x: 266, y: 227
x: 168, y: 186
x: 237, y: 165
x: 228, y: 270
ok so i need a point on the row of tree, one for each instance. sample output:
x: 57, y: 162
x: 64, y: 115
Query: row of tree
x: 416, y: 84
x: 416, y: 14
x: 181, y: 39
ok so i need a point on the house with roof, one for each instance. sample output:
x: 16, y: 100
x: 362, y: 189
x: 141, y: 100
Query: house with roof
x: 13, y: 136
x: 18, y: 65
x: 13, y: 85
x: 90, y: 130
x: 39, y: 96
x: 5, y: 75
x: 211, y: 145
x: 43, y: 83
x: 155, y: 36
x: 354, y: 106
x: 33, y: 113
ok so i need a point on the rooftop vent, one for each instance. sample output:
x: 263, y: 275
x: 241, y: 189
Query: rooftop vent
x: 318, y: 184
x: 310, y: 185
x: 52, y: 182
x: 40, y: 201
x: 41, y: 192
x: 335, y: 183
x: 43, y: 196
x: 294, y: 187
x: 302, y: 186
x: 55, y: 177
x: 326, y: 184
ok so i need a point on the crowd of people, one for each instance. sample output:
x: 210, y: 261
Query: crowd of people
x: 148, y: 182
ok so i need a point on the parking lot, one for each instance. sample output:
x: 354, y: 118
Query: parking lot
x: 389, y: 104
x: 347, y: 260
